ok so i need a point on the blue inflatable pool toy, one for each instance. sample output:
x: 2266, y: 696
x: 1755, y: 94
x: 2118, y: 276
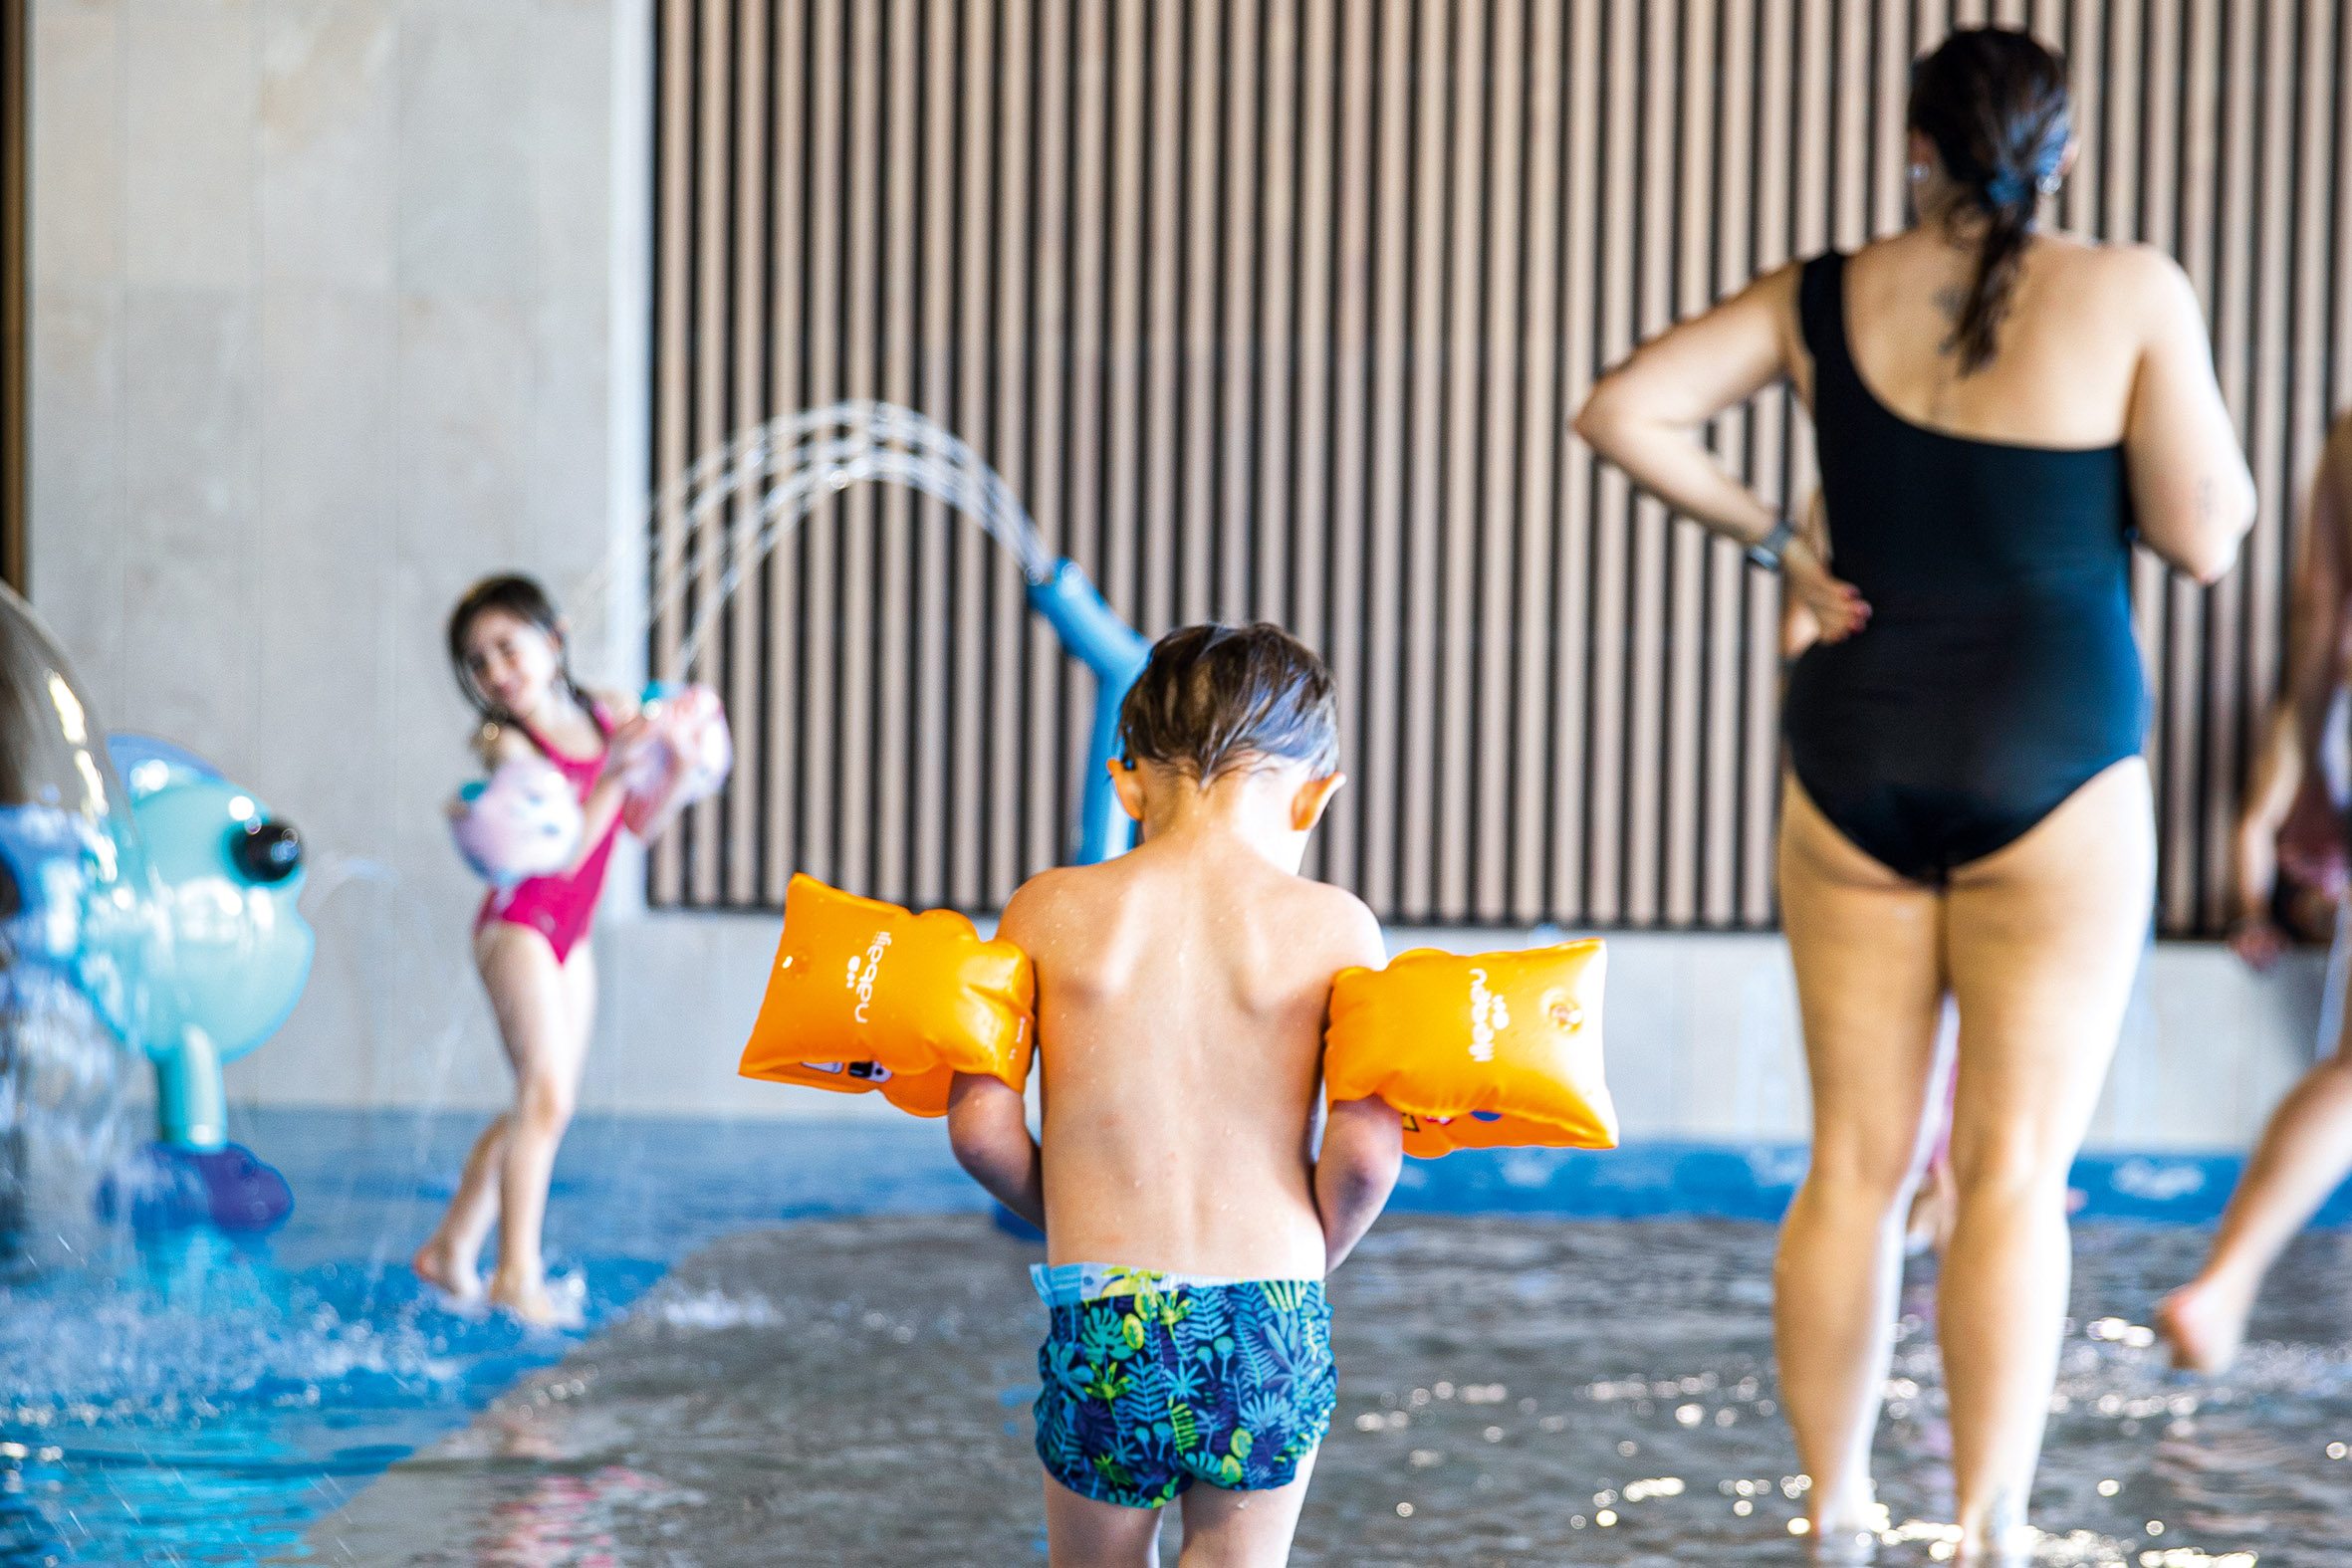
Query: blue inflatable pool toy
x: 146, y: 912
x: 227, y: 875
x: 1091, y: 629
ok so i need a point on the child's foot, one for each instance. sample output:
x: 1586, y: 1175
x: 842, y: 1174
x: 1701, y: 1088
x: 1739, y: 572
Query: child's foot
x: 437, y: 1264
x: 2205, y: 1323
x: 527, y: 1298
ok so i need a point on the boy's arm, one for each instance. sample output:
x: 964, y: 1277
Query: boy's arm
x: 1363, y: 1148
x: 1363, y: 1140
x: 987, y: 1120
x: 988, y: 1126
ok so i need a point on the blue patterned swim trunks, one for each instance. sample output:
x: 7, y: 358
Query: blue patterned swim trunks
x: 1153, y: 1381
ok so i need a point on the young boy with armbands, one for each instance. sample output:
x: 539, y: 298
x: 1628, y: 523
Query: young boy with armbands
x: 1182, y: 992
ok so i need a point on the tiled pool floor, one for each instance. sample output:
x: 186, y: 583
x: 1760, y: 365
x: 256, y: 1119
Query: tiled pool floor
x: 1513, y: 1392
x: 198, y: 1398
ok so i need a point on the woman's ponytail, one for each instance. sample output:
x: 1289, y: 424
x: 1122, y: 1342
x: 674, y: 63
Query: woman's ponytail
x: 1995, y: 105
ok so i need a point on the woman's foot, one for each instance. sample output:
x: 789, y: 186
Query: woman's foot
x: 439, y: 1265
x: 1842, y: 1548
x: 1846, y: 1530
x: 2205, y: 1323
x: 2006, y: 1548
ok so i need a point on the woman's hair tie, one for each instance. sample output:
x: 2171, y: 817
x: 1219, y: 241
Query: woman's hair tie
x: 2006, y: 188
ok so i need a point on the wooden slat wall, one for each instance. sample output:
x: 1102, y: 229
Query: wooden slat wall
x: 1276, y: 308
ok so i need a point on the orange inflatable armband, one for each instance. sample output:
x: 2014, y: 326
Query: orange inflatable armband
x: 865, y: 996
x: 1499, y: 1050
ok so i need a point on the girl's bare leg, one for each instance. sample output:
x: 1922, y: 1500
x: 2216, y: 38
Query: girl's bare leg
x: 2042, y: 940
x: 1867, y: 949
x: 2304, y: 1152
x: 546, y: 1043
x: 448, y: 1255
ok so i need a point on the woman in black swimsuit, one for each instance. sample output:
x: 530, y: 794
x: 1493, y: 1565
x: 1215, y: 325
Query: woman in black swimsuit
x: 2000, y: 414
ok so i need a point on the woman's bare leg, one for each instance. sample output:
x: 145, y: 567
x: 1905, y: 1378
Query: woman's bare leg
x: 2042, y: 940
x: 546, y: 1044
x: 1867, y: 949
x: 2303, y: 1154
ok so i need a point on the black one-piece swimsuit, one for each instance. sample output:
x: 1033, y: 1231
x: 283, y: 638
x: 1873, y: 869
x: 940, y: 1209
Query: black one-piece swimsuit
x: 1997, y: 673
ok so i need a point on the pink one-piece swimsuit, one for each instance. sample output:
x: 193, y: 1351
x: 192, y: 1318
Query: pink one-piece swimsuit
x: 560, y: 906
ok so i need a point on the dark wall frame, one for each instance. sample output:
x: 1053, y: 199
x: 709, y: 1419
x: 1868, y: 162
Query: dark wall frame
x: 15, y: 103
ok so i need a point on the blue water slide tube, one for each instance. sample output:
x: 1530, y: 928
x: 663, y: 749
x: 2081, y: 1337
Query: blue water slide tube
x: 1115, y: 652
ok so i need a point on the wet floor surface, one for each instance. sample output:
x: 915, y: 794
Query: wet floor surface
x: 1512, y: 1391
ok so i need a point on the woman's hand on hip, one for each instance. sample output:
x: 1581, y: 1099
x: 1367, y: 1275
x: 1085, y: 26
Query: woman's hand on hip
x: 1836, y: 606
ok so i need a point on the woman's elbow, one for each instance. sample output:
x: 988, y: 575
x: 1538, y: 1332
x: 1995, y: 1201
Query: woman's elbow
x: 1597, y: 424
x: 2208, y: 568
x: 2224, y: 516
x: 2218, y: 554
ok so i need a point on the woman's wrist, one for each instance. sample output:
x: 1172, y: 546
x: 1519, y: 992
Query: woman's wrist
x: 1770, y: 549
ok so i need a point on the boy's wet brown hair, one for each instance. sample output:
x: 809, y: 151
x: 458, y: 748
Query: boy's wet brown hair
x: 1214, y: 700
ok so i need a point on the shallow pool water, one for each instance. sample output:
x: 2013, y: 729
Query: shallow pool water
x: 1512, y: 1391
x: 807, y: 1344
x: 199, y: 1398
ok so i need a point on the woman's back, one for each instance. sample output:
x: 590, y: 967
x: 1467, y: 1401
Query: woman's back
x: 2067, y: 350
x: 1944, y: 493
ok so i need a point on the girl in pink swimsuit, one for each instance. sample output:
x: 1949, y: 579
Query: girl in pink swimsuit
x: 559, y: 905
x: 529, y: 941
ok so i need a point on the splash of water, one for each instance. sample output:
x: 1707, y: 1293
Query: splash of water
x: 78, y: 932
x: 733, y: 507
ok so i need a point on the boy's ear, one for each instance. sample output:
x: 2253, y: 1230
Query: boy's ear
x: 1307, y: 806
x: 1127, y: 784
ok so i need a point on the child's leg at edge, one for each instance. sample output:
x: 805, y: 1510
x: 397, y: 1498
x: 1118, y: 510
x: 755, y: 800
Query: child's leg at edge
x: 544, y: 1014
x: 2302, y: 1156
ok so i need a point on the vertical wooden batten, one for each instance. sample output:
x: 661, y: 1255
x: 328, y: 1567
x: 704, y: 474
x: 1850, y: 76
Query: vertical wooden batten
x: 1278, y: 308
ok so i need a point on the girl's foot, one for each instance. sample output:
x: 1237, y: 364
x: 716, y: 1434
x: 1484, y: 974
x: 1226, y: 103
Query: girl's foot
x: 2205, y: 1323
x: 525, y: 1294
x: 437, y: 1264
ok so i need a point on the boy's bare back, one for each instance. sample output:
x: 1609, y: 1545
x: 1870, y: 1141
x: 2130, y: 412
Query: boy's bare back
x: 1182, y: 992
